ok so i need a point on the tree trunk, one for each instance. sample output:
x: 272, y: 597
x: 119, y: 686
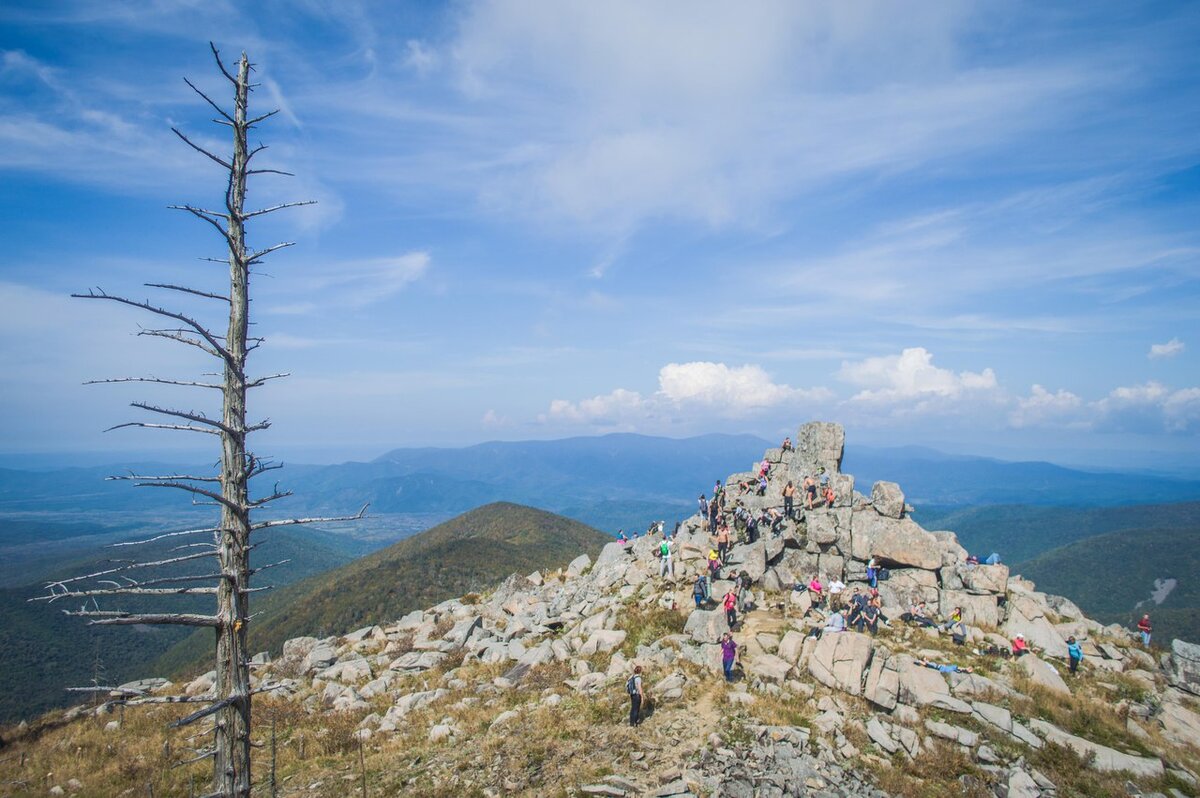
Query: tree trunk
x: 231, y: 776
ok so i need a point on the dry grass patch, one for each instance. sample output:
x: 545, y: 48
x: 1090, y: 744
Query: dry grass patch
x: 941, y: 769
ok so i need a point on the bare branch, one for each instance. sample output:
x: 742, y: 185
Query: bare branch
x: 119, y: 618
x: 187, y: 415
x: 182, y: 477
x: 211, y: 530
x: 147, y: 425
x: 254, y: 258
x: 200, y: 149
x: 258, y: 119
x: 218, y: 108
x: 190, y: 322
x: 204, y: 713
x: 192, y: 488
x: 207, y: 753
x: 187, y: 290
x: 270, y: 565
x: 316, y: 520
x: 274, y: 208
x: 128, y: 566
x: 183, y: 339
x: 220, y: 65
x: 129, y: 591
x: 278, y: 494
x: 261, y: 380
x: 269, y: 172
x: 185, y: 383
x: 200, y: 214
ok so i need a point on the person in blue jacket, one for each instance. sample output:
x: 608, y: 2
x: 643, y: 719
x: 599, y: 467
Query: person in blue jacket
x: 1074, y: 654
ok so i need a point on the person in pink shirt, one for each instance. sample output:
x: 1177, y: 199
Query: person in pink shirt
x: 1019, y: 646
x: 816, y: 591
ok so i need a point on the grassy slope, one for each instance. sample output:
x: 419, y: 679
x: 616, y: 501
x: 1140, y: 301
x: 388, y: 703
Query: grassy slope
x: 470, y: 552
x: 1107, y: 575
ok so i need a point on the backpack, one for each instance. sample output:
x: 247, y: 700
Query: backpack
x: 631, y: 685
x: 664, y: 549
x: 883, y: 575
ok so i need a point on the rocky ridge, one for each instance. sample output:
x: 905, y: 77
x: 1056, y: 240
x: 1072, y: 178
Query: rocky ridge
x: 830, y: 716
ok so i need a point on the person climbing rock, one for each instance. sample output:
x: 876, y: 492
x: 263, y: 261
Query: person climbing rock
x: 764, y: 467
x: 714, y: 565
x: 636, y: 693
x: 787, y: 445
x: 723, y: 542
x: 810, y: 492
x: 1144, y: 628
x: 789, y: 499
x: 1074, y: 654
x: 730, y: 605
x: 700, y: 590
x: 828, y: 495
x: 728, y: 655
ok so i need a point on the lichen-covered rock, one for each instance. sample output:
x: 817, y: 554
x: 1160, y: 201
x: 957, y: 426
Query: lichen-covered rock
x: 706, y: 626
x: 1183, y: 666
x: 839, y: 661
x: 896, y: 541
x: 985, y: 578
x: 888, y: 499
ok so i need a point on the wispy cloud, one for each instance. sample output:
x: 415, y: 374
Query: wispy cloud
x: 1169, y: 349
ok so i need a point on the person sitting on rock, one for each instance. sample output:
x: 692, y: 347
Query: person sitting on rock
x: 1144, y: 628
x: 829, y: 496
x: 810, y: 491
x: 1074, y: 654
x: 958, y: 633
x: 787, y: 445
x: 948, y: 668
x: 815, y: 591
x: 955, y: 617
x: 858, y: 602
x: 917, y: 614
x: 730, y: 604
x: 877, y: 602
x: 622, y: 537
x: 728, y: 655
x: 836, y: 622
x: 1019, y: 647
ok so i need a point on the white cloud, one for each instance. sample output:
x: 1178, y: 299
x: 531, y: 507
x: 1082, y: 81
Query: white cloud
x: 702, y: 387
x: 351, y: 284
x: 1169, y: 349
x: 1149, y: 408
x: 912, y: 377
x: 493, y: 419
x: 1041, y: 408
x: 738, y: 388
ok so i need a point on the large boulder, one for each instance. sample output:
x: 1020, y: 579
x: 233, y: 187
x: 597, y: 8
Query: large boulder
x: 612, y: 553
x: 910, y: 585
x: 578, y: 565
x: 706, y: 626
x: 977, y: 610
x: 1028, y: 617
x: 1183, y: 666
x: 896, y: 541
x: 985, y: 578
x: 839, y: 660
x: 925, y: 687
x: 819, y: 444
x: 888, y: 499
x: 822, y: 527
x: 1100, y: 757
x: 751, y: 558
x: 883, y: 681
x: 1043, y: 674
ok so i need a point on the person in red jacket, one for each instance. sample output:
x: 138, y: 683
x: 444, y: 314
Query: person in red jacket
x: 1144, y: 628
x: 1019, y: 646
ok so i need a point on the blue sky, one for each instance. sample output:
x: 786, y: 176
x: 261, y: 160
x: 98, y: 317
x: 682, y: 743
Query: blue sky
x: 972, y: 225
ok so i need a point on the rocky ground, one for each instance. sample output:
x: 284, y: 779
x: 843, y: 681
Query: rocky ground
x: 520, y: 691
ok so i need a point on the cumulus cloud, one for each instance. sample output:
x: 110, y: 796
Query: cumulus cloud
x: 1150, y: 407
x: 707, y: 387
x: 1169, y: 349
x: 911, y: 378
x: 1042, y: 407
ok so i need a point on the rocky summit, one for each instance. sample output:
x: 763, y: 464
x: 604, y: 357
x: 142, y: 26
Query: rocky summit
x: 522, y: 690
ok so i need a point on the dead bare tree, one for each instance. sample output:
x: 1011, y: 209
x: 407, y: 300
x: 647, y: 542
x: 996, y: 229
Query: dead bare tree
x: 229, y: 489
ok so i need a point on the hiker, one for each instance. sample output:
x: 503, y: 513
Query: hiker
x: 751, y: 527
x: 762, y: 486
x: 876, y: 601
x: 700, y: 590
x: 667, y: 568
x: 773, y: 519
x: 728, y: 654
x: 703, y: 513
x: 764, y: 468
x: 731, y: 599
x: 787, y: 445
x: 829, y: 496
x: 622, y: 537
x: 815, y: 591
x: 743, y: 582
x: 1074, y: 654
x: 955, y: 618
x: 858, y: 603
x: 835, y: 589
x: 745, y: 486
x: 636, y: 693
x: 918, y: 615
x: 836, y: 622
x: 949, y: 668
x: 714, y: 565
x: 873, y: 572
x: 723, y: 542
x: 958, y: 633
x: 789, y: 498
x: 810, y: 491
x: 1019, y: 647
x: 1144, y: 628
x: 869, y: 618
x: 714, y: 513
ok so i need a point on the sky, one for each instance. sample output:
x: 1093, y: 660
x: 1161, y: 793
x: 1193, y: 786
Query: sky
x: 966, y: 225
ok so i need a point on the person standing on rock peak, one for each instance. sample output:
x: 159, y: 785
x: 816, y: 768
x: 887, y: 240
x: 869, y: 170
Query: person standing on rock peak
x: 728, y: 655
x: 1144, y: 629
x: 636, y: 694
x: 789, y: 499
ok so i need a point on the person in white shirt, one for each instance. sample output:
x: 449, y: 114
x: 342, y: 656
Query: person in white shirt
x: 835, y: 593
